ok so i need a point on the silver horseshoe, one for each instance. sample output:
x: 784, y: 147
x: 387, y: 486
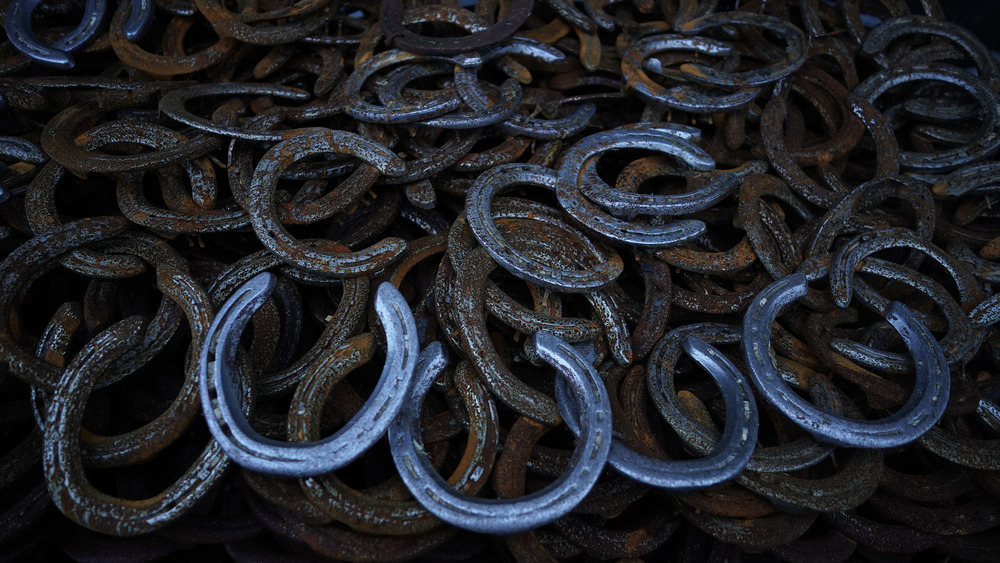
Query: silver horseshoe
x: 931, y: 386
x: 220, y: 397
x: 730, y: 455
x: 507, y: 516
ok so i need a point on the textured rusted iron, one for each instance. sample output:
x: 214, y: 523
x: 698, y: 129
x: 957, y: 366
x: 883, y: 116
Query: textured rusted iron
x: 679, y: 280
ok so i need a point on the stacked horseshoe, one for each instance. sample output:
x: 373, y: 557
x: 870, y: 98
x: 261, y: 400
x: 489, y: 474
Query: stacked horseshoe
x: 693, y: 280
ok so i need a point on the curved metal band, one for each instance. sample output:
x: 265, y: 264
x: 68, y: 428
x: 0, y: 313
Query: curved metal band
x: 923, y: 409
x: 273, y: 235
x: 984, y: 144
x: 730, y: 455
x: 173, y: 104
x: 795, y: 50
x: 17, y: 20
x: 220, y: 397
x: 687, y: 98
x: 139, y: 20
x: 495, y: 181
x: 508, y: 516
x: 987, y: 67
x: 626, y: 204
x: 358, y: 108
x: 651, y: 137
x: 396, y: 35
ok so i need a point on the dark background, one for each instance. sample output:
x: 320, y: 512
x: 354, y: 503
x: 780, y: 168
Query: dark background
x: 980, y: 16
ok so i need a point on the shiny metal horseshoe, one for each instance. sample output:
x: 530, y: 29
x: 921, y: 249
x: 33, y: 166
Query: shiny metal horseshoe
x: 508, y: 516
x: 220, y: 397
x: 479, y: 200
x: 59, y: 54
x: 920, y: 412
x: 730, y: 455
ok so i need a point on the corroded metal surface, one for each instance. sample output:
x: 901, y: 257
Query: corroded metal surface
x: 378, y: 281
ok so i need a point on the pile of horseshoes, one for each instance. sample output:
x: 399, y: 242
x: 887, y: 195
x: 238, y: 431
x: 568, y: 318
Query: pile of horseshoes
x: 524, y: 280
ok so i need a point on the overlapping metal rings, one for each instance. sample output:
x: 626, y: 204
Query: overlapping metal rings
x: 519, y: 280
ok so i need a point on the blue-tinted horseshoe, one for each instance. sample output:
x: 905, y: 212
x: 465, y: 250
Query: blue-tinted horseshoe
x: 139, y: 19
x: 220, y: 397
x: 983, y: 145
x: 18, y: 23
x: 922, y: 410
x: 638, y: 62
x: 730, y: 455
x: 507, y: 516
x: 59, y: 53
x: 629, y: 204
x: 359, y: 108
x: 475, y: 96
x: 648, y: 137
x: 396, y: 34
x: 478, y: 209
x: 796, y: 46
